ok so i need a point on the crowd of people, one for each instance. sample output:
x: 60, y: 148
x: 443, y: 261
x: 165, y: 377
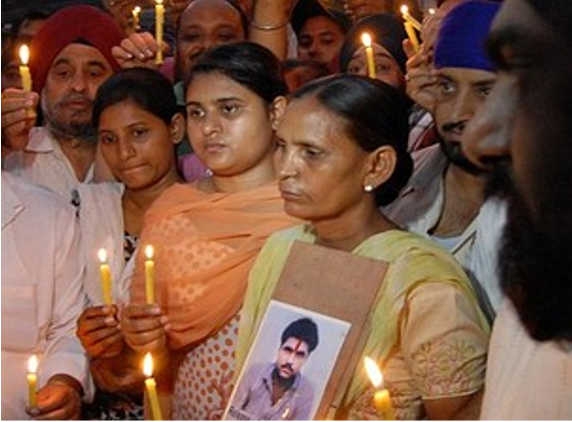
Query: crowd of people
x: 268, y: 124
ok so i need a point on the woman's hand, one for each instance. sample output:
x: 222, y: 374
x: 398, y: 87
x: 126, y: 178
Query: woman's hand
x: 144, y: 328
x: 99, y: 333
x: 59, y: 399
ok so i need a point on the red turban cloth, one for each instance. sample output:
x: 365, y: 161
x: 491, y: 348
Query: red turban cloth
x: 82, y: 24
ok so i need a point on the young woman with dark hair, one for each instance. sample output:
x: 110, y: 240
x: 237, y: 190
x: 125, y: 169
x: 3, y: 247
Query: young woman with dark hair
x: 341, y: 153
x: 138, y: 126
x: 207, y: 234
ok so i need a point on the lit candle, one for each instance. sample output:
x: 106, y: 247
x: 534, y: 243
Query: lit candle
x: 149, y: 275
x: 407, y: 16
x: 32, y: 380
x: 151, y: 387
x: 409, y: 27
x: 135, y: 13
x: 24, y: 54
x: 105, y: 275
x: 366, y: 40
x: 159, y: 18
x: 381, y: 399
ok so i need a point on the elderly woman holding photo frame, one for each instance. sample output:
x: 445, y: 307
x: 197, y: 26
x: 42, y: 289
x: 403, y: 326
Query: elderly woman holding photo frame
x: 341, y: 154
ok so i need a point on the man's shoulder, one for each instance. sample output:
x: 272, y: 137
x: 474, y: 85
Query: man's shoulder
x: 32, y: 196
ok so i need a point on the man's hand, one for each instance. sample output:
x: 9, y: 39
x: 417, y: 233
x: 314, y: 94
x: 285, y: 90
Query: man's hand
x: 421, y: 78
x: 99, y: 333
x: 137, y: 50
x: 59, y: 399
x: 144, y: 328
x: 358, y: 9
x: 18, y: 117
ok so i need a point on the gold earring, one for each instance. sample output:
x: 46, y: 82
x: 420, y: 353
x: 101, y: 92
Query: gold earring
x: 368, y: 188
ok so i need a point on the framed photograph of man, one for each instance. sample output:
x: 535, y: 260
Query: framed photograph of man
x: 289, y: 365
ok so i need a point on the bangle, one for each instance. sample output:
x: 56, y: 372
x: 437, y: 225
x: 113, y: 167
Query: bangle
x: 269, y: 27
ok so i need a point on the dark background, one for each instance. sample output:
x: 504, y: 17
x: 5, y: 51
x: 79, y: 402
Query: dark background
x: 13, y: 10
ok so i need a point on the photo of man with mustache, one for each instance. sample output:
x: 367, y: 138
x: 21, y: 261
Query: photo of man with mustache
x: 279, y: 390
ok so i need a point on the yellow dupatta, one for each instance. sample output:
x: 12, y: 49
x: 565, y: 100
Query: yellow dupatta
x: 412, y: 261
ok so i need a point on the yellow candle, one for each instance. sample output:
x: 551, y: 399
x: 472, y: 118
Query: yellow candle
x: 25, y: 75
x: 105, y: 276
x: 408, y: 18
x: 149, y: 275
x: 151, y: 387
x: 135, y: 13
x: 159, y: 19
x: 32, y: 380
x: 366, y: 40
x: 381, y: 398
x: 411, y: 35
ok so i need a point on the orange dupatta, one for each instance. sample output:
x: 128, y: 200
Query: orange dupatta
x: 205, y: 245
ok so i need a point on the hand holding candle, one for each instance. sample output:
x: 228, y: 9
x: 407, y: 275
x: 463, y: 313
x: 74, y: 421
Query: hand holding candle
x: 381, y: 398
x: 149, y: 275
x: 105, y: 275
x: 366, y: 40
x: 32, y: 381
x: 159, y: 20
x: 151, y: 387
x: 25, y: 75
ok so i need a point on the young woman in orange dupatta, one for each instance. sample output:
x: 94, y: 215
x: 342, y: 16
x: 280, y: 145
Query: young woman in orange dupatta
x: 207, y: 235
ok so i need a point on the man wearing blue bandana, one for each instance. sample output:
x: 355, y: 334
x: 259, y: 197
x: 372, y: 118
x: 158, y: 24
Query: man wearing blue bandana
x: 444, y: 198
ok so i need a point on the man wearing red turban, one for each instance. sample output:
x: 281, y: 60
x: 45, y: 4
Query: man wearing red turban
x: 69, y: 59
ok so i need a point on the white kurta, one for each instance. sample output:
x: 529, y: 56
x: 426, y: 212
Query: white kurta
x: 44, y: 163
x: 526, y: 379
x: 42, y: 295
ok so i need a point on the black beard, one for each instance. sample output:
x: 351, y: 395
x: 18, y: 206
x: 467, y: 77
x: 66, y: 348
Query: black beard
x: 533, y: 265
x: 82, y: 131
x: 284, y: 383
x: 454, y: 153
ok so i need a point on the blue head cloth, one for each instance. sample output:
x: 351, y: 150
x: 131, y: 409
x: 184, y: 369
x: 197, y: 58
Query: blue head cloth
x: 461, y: 39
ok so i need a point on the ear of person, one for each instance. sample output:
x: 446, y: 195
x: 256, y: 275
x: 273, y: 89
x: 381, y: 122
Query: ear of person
x: 177, y: 128
x: 383, y: 162
x: 277, y: 109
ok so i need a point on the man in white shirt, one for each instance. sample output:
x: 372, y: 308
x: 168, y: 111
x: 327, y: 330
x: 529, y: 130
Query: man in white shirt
x: 445, y: 194
x: 70, y: 58
x: 42, y: 297
x: 523, y: 135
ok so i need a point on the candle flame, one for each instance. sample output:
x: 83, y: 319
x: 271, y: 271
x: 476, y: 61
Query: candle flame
x: 148, y: 365
x: 373, y: 372
x: 24, y: 54
x: 159, y: 2
x: 404, y: 9
x: 366, y: 39
x: 33, y: 364
x: 149, y: 252
x: 102, y: 255
x: 431, y: 11
x: 136, y: 10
